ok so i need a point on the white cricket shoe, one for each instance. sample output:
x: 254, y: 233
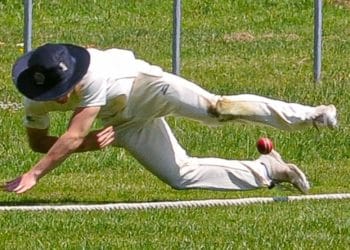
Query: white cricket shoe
x: 326, y: 116
x: 279, y: 171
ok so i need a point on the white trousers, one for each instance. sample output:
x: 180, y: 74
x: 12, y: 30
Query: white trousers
x: 147, y: 136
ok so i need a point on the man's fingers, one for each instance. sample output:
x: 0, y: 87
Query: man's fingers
x: 107, y: 142
x: 106, y: 130
x: 20, y: 189
x: 17, y: 188
x: 14, y: 186
x: 106, y: 137
x: 21, y: 184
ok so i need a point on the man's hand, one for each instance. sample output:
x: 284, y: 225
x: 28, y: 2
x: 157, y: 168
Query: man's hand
x: 21, y: 184
x: 95, y: 140
x: 98, y: 139
x: 68, y: 143
x: 105, y: 137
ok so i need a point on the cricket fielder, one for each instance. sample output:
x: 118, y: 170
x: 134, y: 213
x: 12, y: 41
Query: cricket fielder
x: 132, y: 99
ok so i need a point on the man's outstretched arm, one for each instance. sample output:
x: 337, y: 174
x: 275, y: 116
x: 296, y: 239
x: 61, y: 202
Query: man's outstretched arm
x: 65, y: 145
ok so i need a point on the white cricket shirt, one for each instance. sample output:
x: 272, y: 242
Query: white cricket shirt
x: 107, y: 83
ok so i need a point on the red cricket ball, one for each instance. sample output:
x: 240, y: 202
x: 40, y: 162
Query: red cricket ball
x: 264, y: 145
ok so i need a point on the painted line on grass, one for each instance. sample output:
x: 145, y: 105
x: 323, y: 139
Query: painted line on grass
x: 173, y: 204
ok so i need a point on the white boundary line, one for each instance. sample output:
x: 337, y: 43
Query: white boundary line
x: 172, y: 204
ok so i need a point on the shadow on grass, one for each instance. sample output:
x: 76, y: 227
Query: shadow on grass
x: 38, y: 202
x: 66, y: 201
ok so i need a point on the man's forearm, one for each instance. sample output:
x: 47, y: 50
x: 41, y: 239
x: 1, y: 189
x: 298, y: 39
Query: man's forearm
x: 61, y: 149
x: 89, y: 144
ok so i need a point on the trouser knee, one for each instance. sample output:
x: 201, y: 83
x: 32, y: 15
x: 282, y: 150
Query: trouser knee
x: 178, y: 183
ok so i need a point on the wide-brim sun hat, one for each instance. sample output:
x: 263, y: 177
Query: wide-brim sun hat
x: 50, y: 71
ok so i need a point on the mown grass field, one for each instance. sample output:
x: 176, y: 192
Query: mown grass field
x: 228, y: 47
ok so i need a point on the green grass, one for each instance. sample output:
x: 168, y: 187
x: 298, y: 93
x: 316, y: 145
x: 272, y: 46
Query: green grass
x: 228, y: 47
x: 309, y: 225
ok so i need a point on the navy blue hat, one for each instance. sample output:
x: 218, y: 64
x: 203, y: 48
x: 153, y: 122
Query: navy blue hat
x: 50, y: 71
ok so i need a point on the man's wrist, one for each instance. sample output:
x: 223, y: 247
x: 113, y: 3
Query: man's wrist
x: 36, y: 173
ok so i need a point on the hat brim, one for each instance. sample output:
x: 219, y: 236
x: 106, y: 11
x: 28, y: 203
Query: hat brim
x: 22, y: 76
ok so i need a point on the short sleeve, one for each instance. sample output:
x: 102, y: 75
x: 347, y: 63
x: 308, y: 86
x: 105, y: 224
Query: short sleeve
x: 92, y: 93
x: 35, y: 116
